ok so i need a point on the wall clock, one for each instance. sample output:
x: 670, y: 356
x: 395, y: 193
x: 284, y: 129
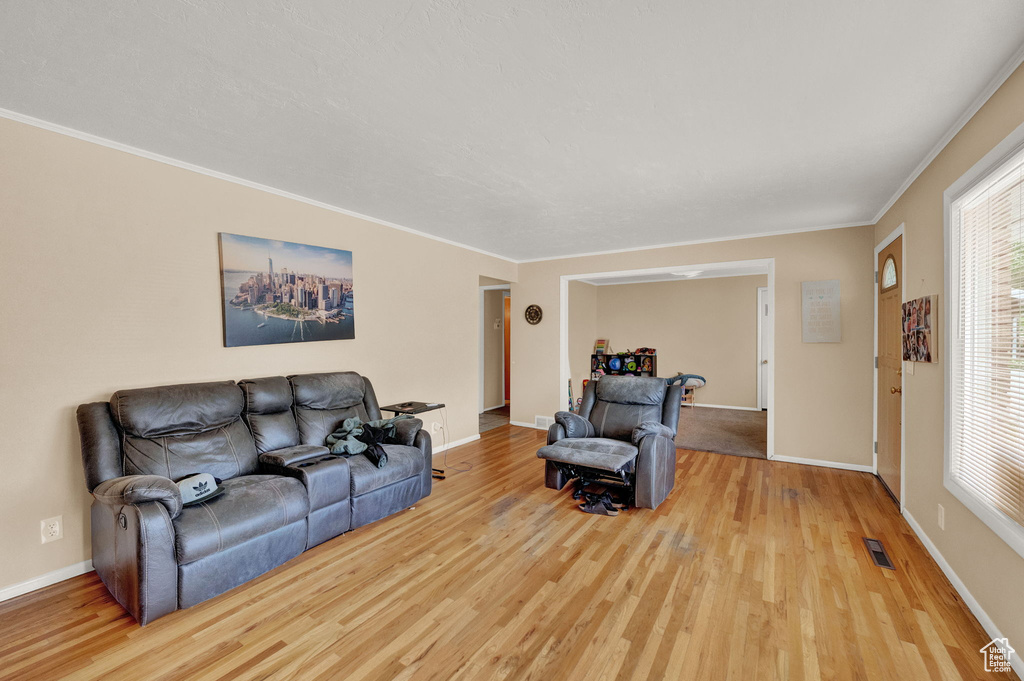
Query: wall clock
x: 534, y: 314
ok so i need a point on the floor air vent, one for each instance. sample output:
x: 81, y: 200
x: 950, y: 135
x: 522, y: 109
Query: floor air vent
x: 878, y: 554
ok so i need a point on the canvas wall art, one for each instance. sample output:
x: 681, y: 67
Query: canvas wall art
x: 919, y: 317
x: 283, y: 292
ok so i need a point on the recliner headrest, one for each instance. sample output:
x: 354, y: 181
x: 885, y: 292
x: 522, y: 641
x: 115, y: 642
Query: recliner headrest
x: 631, y: 389
x: 336, y: 390
x: 271, y: 395
x: 176, y: 409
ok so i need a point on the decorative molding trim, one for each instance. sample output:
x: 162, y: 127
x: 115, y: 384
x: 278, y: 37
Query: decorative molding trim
x: 859, y: 468
x: 497, y: 406
x: 184, y: 165
x: 694, y: 242
x: 997, y: 82
x: 727, y: 406
x: 1017, y: 661
x: 50, y: 578
x: 523, y: 424
x: 456, y: 443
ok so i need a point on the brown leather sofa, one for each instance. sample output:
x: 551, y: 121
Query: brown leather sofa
x: 284, y: 491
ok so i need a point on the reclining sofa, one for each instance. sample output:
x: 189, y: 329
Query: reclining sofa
x: 622, y: 436
x: 284, y: 491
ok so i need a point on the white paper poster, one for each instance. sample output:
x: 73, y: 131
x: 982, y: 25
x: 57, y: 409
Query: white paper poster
x: 821, y: 320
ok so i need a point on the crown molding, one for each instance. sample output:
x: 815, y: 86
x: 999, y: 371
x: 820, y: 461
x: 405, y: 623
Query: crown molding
x: 694, y: 242
x: 184, y: 165
x: 986, y: 94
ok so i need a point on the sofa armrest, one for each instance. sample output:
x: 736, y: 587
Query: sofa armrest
x: 655, y: 470
x: 288, y: 456
x: 651, y: 428
x: 574, y: 424
x: 556, y: 432
x: 131, y: 490
x: 406, y: 431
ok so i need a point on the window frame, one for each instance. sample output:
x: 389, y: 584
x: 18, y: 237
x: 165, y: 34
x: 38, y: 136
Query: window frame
x: 1000, y: 523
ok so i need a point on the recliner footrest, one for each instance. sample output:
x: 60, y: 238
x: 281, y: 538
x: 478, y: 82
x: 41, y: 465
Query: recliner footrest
x: 614, y: 461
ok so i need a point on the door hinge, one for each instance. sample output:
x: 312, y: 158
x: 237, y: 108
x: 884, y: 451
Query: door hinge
x: 876, y: 362
x: 876, y: 276
x: 876, y: 446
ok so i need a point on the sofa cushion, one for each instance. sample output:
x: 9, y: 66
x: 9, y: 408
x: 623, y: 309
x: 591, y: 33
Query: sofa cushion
x: 617, y: 421
x: 403, y: 462
x: 224, y: 453
x: 179, y: 430
x: 632, y: 390
x: 251, y: 506
x: 324, y: 401
x: 268, y: 411
x: 176, y: 409
x: 336, y: 390
x: 592, y: 452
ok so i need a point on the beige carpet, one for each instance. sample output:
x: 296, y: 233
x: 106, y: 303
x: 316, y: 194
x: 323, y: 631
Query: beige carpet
x: 724, y: 431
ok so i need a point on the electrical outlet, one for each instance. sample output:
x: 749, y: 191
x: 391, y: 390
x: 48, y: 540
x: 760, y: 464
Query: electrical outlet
x: 51, y: 529
x: 942, y: 517
x: 435, y: 428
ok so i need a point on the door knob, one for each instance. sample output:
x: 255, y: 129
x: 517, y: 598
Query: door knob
x: 893, y: 390
x: 764, y: 361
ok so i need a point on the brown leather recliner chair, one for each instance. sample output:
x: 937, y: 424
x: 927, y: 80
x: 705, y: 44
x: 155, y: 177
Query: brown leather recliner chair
x: 623, y: 435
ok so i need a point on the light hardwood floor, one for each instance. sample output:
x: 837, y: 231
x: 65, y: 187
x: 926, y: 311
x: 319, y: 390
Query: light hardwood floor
x: 750, y: 570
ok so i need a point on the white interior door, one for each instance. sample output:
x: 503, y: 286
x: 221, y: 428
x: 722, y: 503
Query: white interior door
x: 764, y: 347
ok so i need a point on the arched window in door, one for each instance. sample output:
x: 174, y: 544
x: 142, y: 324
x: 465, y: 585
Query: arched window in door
x: 889, y: 277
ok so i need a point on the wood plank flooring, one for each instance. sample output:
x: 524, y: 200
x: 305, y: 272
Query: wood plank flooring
x: 750, y: 570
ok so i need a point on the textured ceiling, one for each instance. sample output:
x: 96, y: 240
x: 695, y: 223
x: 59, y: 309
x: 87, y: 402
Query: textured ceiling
x: 532, y: 128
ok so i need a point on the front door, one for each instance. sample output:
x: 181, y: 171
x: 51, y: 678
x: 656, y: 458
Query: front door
x: 890, y: 364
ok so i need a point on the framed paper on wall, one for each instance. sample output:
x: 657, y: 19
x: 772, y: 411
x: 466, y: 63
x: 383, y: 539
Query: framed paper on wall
x: 283, y: 292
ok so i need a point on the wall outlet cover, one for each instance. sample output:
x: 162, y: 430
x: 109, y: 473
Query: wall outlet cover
x: 51, y: 529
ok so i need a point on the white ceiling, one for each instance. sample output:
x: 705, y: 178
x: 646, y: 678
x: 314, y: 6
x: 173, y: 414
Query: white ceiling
x: 533, y: 128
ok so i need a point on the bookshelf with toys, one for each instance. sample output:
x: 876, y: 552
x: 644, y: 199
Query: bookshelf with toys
x: 639, y: 362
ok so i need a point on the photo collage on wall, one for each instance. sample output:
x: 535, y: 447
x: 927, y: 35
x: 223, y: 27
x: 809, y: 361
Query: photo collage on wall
x: 919, y: 321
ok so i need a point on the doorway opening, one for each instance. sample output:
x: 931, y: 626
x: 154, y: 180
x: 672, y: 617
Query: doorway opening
x: 888, y: 394
x: 699, y: 319
x: 495, y: 356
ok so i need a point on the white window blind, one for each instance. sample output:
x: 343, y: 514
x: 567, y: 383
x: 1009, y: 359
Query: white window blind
x: 987, y: 353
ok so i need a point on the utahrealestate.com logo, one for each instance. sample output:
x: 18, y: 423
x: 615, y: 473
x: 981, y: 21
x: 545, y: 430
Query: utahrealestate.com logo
x: 997, y: 655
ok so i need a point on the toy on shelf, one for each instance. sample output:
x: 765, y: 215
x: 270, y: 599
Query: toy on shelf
x: 626, y: 363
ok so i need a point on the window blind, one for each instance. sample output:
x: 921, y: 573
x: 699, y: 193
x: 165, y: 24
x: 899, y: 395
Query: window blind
x: 987, y: 390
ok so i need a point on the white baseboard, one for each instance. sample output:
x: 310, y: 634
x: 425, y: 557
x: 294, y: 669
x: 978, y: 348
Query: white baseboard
x: 456, y: 443
x: 860, y: 468
x: 497, y: 406
x: 523, y: 424
x: 726, y: 406
x: 15, y: 590
x: 1016, y: 661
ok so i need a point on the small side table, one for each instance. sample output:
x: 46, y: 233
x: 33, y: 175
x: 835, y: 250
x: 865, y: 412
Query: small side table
x: 417, y: 408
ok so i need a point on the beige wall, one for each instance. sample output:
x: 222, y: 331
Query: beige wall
x: 582, y: 333
x: 822, y: 392
x: 701, y: 326
x: 992, y: 572
x: 494, y: 344
x: 111, y: 280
